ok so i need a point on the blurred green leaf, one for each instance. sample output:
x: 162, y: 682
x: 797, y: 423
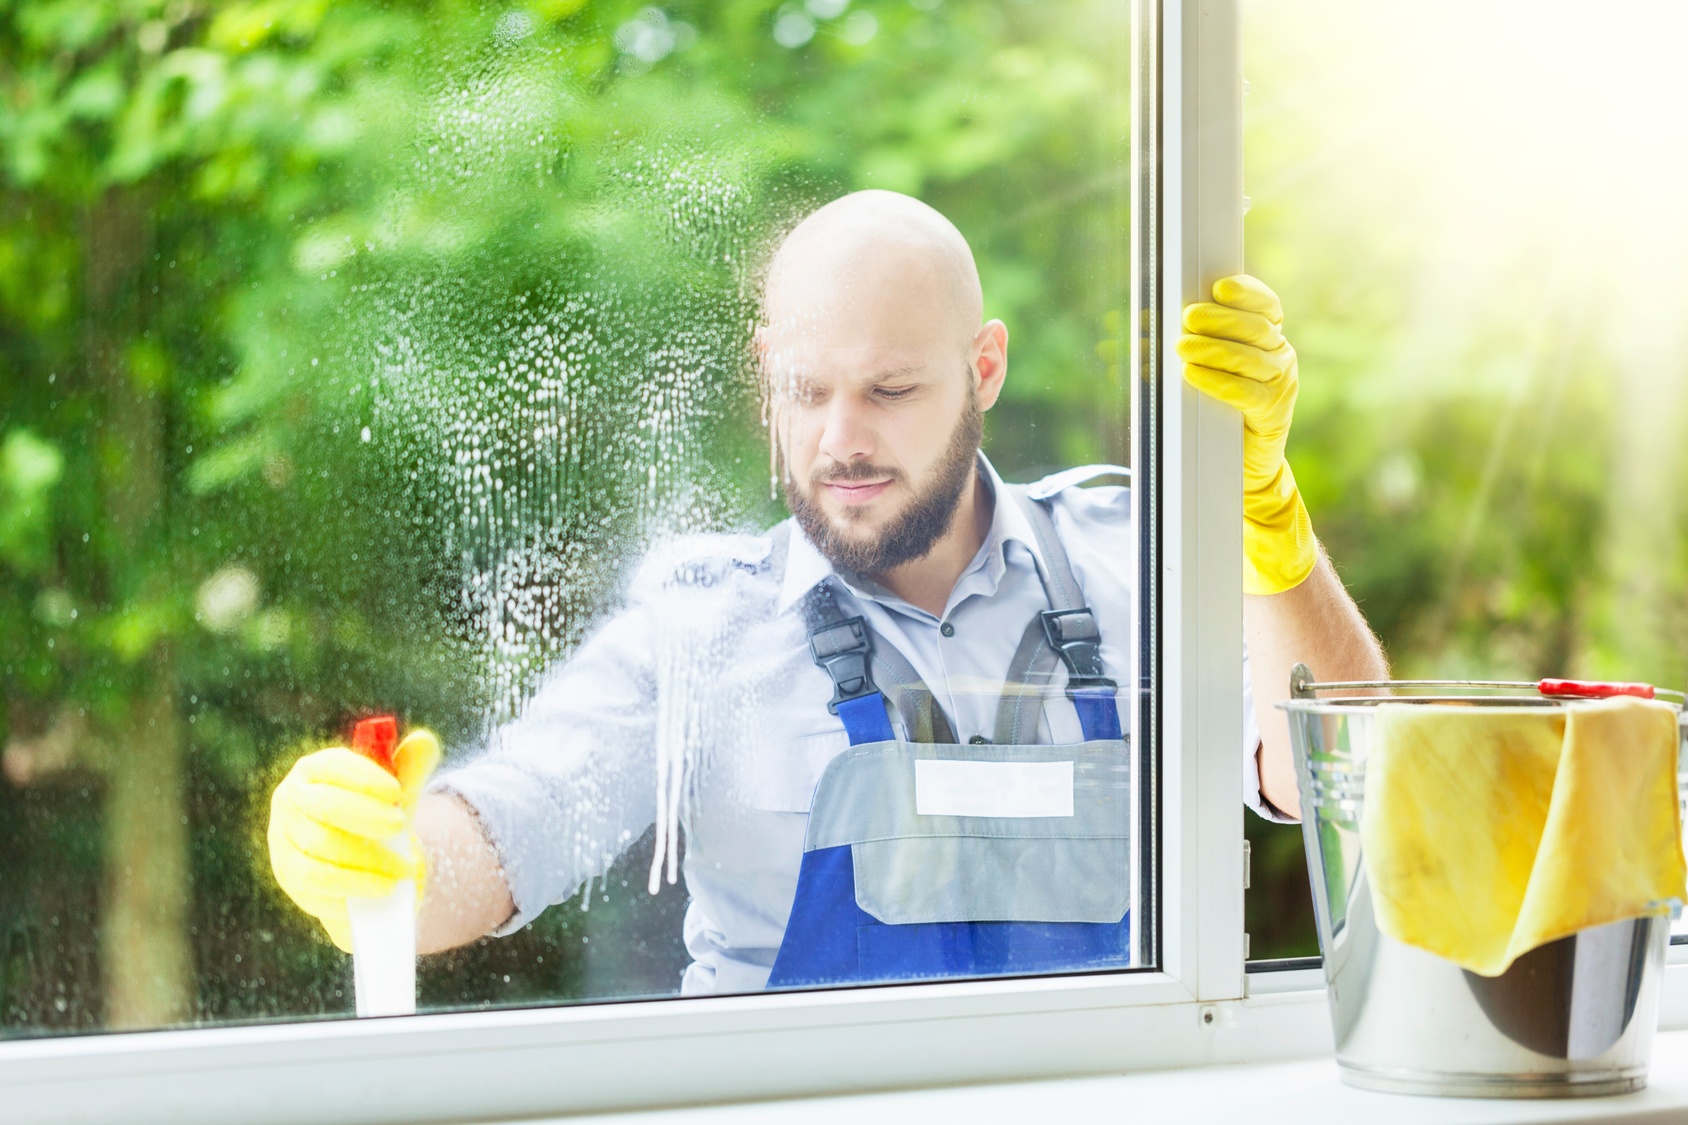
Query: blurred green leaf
x: 29, y: 468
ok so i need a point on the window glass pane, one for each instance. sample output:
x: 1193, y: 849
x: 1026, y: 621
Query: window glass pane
x: 364, y: 359
x: 1469, y: 214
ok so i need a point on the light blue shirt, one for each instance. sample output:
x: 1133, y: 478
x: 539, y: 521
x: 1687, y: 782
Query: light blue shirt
x: 698, y: 703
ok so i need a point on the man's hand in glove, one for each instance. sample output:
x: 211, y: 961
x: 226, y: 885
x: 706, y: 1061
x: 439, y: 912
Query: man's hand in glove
x: 1234, y: 350
x: 330, y: 820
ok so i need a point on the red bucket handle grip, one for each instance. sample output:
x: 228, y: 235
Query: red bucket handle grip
x: 376, y: 738
x: 1594, y: 689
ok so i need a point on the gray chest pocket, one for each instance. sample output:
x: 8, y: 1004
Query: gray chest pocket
x: 946, y: 833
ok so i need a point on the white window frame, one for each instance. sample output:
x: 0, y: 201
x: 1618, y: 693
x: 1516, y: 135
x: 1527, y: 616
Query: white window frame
x: 1201, y: 1006
x: 1188, y: 205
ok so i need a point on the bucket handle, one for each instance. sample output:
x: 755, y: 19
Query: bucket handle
x: 1303, y: 686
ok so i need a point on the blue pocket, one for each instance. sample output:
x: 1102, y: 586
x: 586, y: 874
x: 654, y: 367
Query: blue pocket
x: 962, y: 949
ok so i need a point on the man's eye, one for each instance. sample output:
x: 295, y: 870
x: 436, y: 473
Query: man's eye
x: 894, y: 392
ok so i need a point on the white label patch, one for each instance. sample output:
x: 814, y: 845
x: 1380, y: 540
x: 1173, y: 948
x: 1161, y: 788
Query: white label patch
x: 959, y: 788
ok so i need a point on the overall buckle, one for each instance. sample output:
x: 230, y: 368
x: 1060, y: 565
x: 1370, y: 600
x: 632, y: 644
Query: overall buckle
x: 842, y: 650
x: 1077, y: 640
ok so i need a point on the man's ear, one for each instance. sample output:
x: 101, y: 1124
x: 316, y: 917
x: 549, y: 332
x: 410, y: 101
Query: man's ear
x: 989, y: 356
x: 771, y: 415
x: 759, y: 356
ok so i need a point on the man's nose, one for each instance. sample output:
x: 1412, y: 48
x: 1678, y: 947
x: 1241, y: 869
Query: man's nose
x: 845, y: 433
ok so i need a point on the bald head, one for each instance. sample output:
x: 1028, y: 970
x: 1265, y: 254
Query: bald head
x: 878, y: 372
x: 877, y: 257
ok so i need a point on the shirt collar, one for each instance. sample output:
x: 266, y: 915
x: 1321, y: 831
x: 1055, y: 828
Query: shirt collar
x: 806, y: 567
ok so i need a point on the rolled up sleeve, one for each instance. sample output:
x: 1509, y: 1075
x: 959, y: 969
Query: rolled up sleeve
x: 567, y: 786
x: 1251, y: 754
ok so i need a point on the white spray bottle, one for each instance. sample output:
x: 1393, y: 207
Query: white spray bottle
x: 384, y: 929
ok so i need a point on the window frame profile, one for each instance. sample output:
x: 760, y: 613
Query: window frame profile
x: 1194, y: 1008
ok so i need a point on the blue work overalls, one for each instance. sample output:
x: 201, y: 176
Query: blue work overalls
x: 898, y: 881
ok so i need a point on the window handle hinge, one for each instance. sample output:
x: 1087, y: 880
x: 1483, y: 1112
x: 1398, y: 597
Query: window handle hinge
x: 1248, y: 863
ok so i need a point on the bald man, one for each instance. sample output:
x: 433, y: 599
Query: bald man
x: 889, y: 729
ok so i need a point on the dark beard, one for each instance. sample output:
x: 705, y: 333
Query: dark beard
x: 914, y: 533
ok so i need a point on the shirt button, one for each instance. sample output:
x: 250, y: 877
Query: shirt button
x: 979, y: 740
x: 947, y: 629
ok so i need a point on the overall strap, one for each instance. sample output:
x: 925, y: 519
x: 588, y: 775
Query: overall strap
x: 1030, y: 674
x: 865, y: 676
x: 843, y: 648
x: 1066, y: 632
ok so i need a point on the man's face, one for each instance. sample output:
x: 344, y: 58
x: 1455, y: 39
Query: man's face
x: 878, y: 422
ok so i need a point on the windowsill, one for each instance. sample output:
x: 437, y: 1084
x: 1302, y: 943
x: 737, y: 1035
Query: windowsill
x: 1306, y: 1092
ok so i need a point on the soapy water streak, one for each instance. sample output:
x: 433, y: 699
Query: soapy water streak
x: 717, y: 661
x: 553, y: 464
x: 558, y: 430
x: 681, y: 668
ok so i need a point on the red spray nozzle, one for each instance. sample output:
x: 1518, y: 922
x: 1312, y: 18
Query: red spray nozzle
x: 376, y: 738
x: 1595, y: 689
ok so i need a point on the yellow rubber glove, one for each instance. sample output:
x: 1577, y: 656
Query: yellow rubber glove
x: 330, y: 819
x: 1234, y: 350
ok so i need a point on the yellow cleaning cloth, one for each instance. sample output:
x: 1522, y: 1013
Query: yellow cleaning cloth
x: 1489, y: 832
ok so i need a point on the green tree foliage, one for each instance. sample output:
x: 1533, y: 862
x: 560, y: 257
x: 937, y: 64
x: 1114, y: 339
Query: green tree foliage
x: 1486, y: 440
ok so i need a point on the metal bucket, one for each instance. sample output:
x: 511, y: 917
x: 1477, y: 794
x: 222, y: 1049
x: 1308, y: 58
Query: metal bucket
x: 1574, y: 1017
